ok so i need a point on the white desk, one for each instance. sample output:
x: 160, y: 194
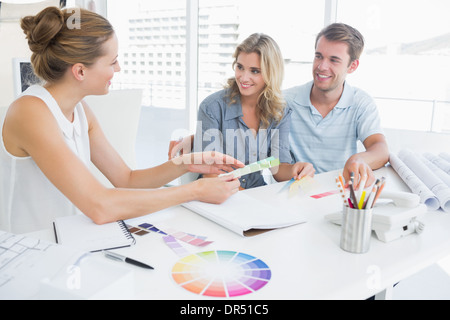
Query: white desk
x: 306, y: 260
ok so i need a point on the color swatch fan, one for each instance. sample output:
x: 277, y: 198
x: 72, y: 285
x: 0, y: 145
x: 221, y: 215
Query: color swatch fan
x: 221, y: 273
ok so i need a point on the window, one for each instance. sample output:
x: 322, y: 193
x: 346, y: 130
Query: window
x: 223, y: 25
x: 143, y: 28
x: 404, y: 64
x: 405, y: 61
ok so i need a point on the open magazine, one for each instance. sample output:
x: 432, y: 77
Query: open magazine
x: 244, y: 215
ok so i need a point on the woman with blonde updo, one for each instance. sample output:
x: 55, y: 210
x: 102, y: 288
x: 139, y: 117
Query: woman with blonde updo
x: 50, y: 135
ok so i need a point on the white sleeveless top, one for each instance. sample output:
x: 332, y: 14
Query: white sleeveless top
x: 28, y: 200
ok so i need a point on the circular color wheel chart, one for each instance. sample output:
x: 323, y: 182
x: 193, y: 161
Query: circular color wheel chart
x: 221, y: 273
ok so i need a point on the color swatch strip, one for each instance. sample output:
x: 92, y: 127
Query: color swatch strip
x: 198, y: 241
x: 302, y: 186
x: 175, y: 246
x: 254, y: 167
x: 144, y: 228
x: 325, y: 194
x: 170, y: 237
x: 221, y: 273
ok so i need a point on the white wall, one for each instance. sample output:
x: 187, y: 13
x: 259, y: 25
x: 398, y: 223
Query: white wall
x: 13, y: 43
x: 118, y: 113
x: 12, y: 39
x: 417, y: 141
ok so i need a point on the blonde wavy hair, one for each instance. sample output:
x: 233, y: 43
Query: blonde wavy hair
x: 270, y: 102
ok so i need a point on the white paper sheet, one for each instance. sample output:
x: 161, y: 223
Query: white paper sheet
x: 34, y: 269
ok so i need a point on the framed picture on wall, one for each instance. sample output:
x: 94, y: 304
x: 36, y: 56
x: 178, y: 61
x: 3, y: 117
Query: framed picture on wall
x: 23, y: 75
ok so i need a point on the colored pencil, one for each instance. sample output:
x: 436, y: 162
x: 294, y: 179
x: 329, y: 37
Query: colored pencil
x: 383, y: 182
x: 361, y: 199
x: 341, y: 190
x: 371, y: 196
x: 353, y: 195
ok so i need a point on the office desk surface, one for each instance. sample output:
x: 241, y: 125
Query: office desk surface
x: 305, y: 260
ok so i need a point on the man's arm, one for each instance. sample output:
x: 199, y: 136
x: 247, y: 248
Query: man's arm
x: 374, y: 157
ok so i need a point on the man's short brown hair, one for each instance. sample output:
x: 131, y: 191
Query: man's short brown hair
x: 344, y: 33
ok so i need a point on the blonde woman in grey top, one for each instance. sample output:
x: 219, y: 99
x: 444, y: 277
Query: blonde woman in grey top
x: 248, y: 120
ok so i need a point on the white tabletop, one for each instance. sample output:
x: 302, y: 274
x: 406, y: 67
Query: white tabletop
x: 305, y: 260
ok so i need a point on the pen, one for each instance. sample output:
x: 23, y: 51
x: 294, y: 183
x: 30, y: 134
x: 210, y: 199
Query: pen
x: 115, y: 256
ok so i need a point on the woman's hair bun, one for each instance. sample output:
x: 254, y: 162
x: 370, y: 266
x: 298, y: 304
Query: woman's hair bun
x: 42, y: 28
x: 56, y: 45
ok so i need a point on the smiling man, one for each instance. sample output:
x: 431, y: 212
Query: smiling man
x: 329, y: 116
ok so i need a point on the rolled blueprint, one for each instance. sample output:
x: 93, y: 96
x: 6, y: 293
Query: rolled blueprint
x: 431, y: 180
x: 439, y: 162
x: 437, y: 170
x: 414, y: 183
x: 445, y: 156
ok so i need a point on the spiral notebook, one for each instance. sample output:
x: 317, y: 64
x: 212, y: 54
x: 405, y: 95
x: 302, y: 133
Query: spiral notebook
x: 81, y: 232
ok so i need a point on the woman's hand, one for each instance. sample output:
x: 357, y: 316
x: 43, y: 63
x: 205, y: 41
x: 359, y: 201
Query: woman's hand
x: 210, y: 162
x: 215, y: 190
x: 181, y: 146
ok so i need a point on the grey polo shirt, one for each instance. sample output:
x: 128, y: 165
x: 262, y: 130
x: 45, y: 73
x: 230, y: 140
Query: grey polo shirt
x: 220, y: 128
x: 328, y: 142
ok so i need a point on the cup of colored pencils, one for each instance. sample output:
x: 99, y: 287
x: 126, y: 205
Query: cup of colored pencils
x: 356, y: 227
